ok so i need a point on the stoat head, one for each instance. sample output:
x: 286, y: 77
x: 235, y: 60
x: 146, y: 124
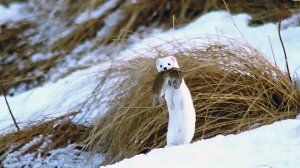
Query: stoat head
x: 166, y: 63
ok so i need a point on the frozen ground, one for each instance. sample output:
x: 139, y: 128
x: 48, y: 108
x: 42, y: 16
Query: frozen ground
x: 214, y: 25
x: 11, y: 13
x: 53, y: 99
x: 58, y: 98
x: 67, y: 157
x: 270, y: 146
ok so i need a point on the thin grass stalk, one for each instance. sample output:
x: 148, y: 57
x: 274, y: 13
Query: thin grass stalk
x: 7, y: 104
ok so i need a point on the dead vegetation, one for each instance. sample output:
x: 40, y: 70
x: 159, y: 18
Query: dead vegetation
x: 56, y: 133
x: 19, y: 71
x: 234, y: 88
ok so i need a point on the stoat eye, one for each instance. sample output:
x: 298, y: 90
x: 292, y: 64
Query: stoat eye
x: 161, y: 66
x: 169, y: 64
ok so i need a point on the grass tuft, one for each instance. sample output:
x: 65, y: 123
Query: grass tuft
x: 20, y: 72
x: 234, y: 88
x: 43, y: 136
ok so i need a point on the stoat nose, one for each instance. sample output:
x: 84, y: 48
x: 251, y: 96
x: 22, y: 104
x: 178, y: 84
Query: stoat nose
x: 165, y: 68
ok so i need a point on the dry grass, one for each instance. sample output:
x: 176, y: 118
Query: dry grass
x: 159, y: 13
x: 58, y: 132
x: 234, y: 88
x: 145, y: 13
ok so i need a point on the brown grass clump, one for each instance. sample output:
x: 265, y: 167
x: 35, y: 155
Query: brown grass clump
x: 167, y: 14
x: 56, y: 133
x: 20, y: 72
x: 234, y: 88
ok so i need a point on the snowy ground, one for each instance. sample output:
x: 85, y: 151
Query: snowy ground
x: 52, y: 99
x: 275, y: 145
x: 270, y: 146
x: 220, y: 23
x: 11, y: 13
x: 67, y: 157
x: 46, y: 100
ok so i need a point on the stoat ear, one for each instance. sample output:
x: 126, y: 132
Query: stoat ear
x: 175, y: 63
x: 157, y: 64
x: 173, y: 59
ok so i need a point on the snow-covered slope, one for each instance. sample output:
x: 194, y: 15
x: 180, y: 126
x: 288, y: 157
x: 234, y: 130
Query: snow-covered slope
x: 53, y: 99
x: 67, y: 157
x: 27, y: 104
x: 275, y: 145
x: 215, y: 25
x: 206, y: 27
x: 11, y: 13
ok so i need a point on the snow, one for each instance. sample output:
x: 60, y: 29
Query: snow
x: 44, y: 14
x: 86, y: 53
x: 275, y: 145
x: 68, y: 157
x: 215, y: 24
x: 11, y: 13
x: 52, y: 99
x: 292, y: 21
x: 39, y: 57
x: 269, y: 146
x: 109, y: 22
x: 86, y: 15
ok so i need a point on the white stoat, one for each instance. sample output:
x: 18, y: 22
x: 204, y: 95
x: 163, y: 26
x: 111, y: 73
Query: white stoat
x: 182, y: 117
x: 159, y: 83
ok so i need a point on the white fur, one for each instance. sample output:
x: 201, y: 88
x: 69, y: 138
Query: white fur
x: 166, y: 63
x: 182, y: 117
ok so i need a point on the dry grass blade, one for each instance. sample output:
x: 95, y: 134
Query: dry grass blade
x: 7, y: 104
x: 17, y: 48
x: 58, y: 133
x: 234, y: 88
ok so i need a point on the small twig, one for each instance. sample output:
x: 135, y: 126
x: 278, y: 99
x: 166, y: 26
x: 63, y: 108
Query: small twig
x: 228, y: 10
x: 279, y: 29
x: 272, y: 51
x: 12, y: 116
x: 173, y: 21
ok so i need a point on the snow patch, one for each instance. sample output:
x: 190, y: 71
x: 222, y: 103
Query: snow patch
x: 293, y: 21
x: 52, y: 99
x: 109, y: 22
x: 271, y: 145
x: 11, y: 13
x: 86, y: 15
x: 39, y: 57
x: 215, y: 24
x: 68, y: 157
